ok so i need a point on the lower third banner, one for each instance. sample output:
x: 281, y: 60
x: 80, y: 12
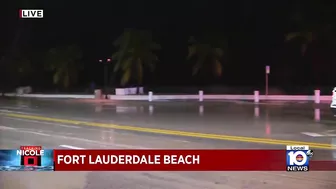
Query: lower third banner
x: 176, y: 160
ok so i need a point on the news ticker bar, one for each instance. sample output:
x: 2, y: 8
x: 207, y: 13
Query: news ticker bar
x: 160, y: 160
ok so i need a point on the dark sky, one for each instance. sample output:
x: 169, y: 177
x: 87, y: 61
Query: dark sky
x: 254, y: 29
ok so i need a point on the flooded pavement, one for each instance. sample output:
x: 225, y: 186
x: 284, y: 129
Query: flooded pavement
x: 279, y: 121
x: 293, y: 121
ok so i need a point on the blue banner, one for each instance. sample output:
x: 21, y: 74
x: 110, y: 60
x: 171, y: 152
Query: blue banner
x: 17, y: 160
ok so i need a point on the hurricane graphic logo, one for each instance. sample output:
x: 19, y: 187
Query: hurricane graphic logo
x: 299, y: 158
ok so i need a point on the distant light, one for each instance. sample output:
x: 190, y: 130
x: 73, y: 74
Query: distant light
x: 100, y: 60
x: 108, y: 60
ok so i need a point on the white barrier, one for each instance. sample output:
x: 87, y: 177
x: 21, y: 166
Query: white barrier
x: 150, y: 96
x: 141, y: 90
x: 98, y: 94
x: 317, y: 96
x: 120, y: 91
x: 129, y: 91
x: 200, y: 94
x: 256, y: 98
x: 132, y: 90
x: 24, y: 90
x: 51, y: 96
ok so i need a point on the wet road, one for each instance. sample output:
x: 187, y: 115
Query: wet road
x: 298, y: 122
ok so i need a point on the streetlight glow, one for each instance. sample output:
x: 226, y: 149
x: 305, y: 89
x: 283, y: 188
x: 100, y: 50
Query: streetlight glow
x: 108, y: 60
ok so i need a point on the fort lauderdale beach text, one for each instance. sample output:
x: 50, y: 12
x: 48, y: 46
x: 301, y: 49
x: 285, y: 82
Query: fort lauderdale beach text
x: 128, y: 159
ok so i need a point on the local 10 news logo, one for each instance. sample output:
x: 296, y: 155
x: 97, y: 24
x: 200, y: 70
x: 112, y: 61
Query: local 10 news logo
x: 298, y: 158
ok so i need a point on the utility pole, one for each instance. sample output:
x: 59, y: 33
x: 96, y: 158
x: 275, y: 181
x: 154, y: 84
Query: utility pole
x: 268, y: 69
x: 106, y: 63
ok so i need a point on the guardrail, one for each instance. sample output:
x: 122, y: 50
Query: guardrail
x: 51, y: 96
x: 256, y: 97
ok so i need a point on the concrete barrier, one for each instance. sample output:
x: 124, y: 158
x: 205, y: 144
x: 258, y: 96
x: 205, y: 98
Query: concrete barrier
x: 129, y: 91
x: 132, y: 91
x: 24, y: 90
x: 51, y: 96
x: 120, y: 91
x: 141, y: 90
x: 256, y: 97
x: 98, y: 94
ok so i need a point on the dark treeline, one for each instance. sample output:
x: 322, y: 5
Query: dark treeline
x: 226, y: 44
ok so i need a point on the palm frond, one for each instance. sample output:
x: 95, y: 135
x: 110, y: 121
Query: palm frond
x: 208, y: 50
x: 217, y: 68
x: 64, y: 62
x: 125, y: 36
x: 218, y: 52
x: 56, y: 77
x: 135, y: 52
x: 292, y: 36
x: 199, y: 64
x: 140, y: 71
x: 116, y: 55
x: 124, y: 48
x: 122, y: 58
x: 126, y: 77
x: 127, y: 63
x: 192, y: 50
x: 308, y: 36
x: 117, y: 66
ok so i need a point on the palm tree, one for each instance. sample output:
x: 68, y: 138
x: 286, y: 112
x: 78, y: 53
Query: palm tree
x: 207, y: 53
x: 305, y: 37
x: 23, y: 29
x: 135, y: 52
x: 22, y: 66
x: 311, y: 30
x: 64, y: 63
x: 313, y: 35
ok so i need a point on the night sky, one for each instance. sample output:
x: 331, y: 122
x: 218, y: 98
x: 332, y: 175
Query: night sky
x: 255, y: 33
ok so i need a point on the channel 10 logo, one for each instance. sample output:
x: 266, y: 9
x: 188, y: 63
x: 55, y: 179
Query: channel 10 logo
x: 298, y: 158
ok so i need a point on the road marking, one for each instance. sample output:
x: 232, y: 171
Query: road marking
x: 11, y: 111
x: 43, y: 122
x: 328, y: 133
x: 328, y: 121
x: 312, y: 134
x: 176, y: 132
x: 21, y: 130
x: 36, y: 133
x: 71, y: 147
x: 7, y: 128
